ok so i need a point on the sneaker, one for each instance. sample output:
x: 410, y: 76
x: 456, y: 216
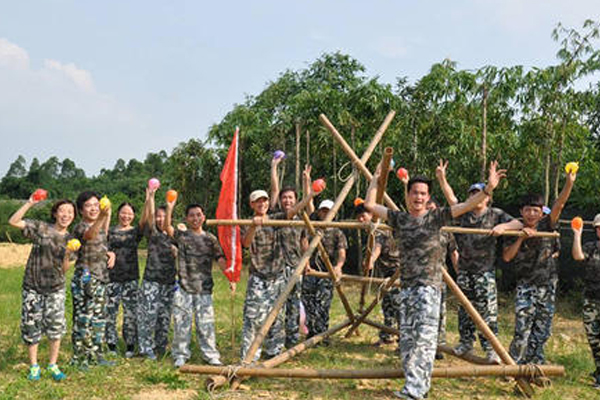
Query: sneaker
x: 150, y: 355
x: 130, y: 352
x: 399, y: 395
x: 34, y: 373
x: 56, y: 373
x: 383, y: 342
x: 179, y: 362
x: 103, y: 362
x: 112, y: 349
x: 597, y: 381
x: 462, y: 349
x: 439, y: 356
x: 492, y: 357
x: 215, y: 362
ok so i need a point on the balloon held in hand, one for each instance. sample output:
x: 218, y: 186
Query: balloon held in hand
x: 153, y: 184
x: 572, y: 168
x: 318, y: 185
x: 73, y: 244
x: 104, y: 202
x: 40, y: 194
x: 171, y: 195
x: 577, y: 223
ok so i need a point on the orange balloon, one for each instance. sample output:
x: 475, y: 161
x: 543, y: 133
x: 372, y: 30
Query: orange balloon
x: 171, y: 195
x: 358, y: 201
x: 577, y: 223
x: 318, y: 185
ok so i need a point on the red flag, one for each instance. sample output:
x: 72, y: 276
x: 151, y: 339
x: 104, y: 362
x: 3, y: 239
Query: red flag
x: 229, y: 236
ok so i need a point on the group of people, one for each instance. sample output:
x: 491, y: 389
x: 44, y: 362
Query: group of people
x: 177, y: 283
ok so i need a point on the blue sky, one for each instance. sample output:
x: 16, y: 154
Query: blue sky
x: 95, y: 81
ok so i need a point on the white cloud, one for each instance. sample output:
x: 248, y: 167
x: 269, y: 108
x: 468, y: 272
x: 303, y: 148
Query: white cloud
x: 80, y: 77
x: 391, y: 47
x: 12, y: 56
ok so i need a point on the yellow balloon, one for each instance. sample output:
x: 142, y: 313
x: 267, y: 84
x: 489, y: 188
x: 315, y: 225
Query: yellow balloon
x: 104, y: 202
x: 73, y: 244
x: 572, y: 167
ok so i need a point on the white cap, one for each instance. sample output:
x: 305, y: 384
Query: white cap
x: 326, y: 204
x: 258, y: 194
x: 597, y: 220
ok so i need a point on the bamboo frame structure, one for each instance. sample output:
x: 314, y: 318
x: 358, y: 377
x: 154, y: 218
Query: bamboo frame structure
x: 353, y: 279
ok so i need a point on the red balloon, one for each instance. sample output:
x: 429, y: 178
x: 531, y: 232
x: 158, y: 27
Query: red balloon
x: 402, y: 173
x: 40, y: 194
x: 319, y: 185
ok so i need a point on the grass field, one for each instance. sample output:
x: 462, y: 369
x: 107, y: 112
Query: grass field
x: 141, y: 379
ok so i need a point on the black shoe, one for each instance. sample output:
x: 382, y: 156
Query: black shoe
x: 439, y: 356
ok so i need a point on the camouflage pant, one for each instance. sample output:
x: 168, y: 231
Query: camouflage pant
x: 390, y: 305
x: 89, y: 318
x: 534, y: 310
x: 126, y: 292
x: 591, y: 323
x: 442, y: 323
x: 155, y: 304
x: 480, y: 289
x: 419, y: 320
x: 317, y: 294
x: 292, y: 311
x: 42, y: 314
x: 261, y: 294
x: 186, y: 307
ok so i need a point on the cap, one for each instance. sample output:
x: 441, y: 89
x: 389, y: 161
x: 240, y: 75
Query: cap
x: 546, y: 210
x: 597, y: 220
x: 258, y: 194
x: 477, y: 186
x: 326, y: 204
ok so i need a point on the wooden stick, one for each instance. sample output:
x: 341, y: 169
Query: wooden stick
x: 485, y: 329
x: 476, y: 231
x: 352, y: 278
x: 360, y: 164
x: 347, y: 224
x: 518, y: 371
x: 330, y: 270
x: 260, y: 336
x: 381, y: 185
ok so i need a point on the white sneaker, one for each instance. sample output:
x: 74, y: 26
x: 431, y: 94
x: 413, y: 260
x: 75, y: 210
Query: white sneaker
x: 179, y: 362
x: 492, y: 357
x: 215, y: 362
x: 462, y: 349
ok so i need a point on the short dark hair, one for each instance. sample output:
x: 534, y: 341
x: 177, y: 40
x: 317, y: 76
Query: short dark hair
x: 57, y: 205
x: 193, y: 205
x: 162, y: 207
x: 419, y: 179
x: 360, y: 209
x: 85, y: 196
x: 125, y: 204
x: 433, y: 200
x: 288, y: 189
x: 533, y: 200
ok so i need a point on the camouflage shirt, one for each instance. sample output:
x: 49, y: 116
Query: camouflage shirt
x: 125, y: 245
x: 160, y: 266
x: 333, y: 240
x: 591, y: 251
x: 43, y: 272
x: 291, y: 244
x: 266, y: 253
x: 534, y: 262
x: 195, y: 259
x: 478, y: 252
x: 389, y: 259
x: 422, y: 246
x: 92, y: 253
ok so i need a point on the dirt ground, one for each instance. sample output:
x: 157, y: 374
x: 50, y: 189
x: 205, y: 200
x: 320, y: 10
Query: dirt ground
x: 13, y: 255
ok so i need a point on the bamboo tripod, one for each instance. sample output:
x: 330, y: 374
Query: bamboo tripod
x: 219, y: 378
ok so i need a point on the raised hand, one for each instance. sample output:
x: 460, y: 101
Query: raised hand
x: 440, y: 171
x: 495, y: 175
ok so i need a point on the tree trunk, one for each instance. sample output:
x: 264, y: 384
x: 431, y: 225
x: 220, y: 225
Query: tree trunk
x: 559, y: 156
x: 298, y: 133
x: 484, y: 135
x: 334, y: 169
x: 548, y: 160
x: 307, y: 147
x: 415, y: 143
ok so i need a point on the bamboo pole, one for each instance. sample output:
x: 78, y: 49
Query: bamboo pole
x: 260, y: 336
x: 518, y: 371
x: 477, y: 231
x: 485, y: 329
x: 355, y: 160
x: 381, y: 186
x: 290, y: 223
x: 351, y: 278
x: 330, y: 270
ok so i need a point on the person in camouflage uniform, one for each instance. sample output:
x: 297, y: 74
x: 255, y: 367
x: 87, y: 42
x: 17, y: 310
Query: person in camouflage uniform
x: 317, y: 293
x: 590, y: 255
x: 158, y: 285
x: 197, y: 250
x: 291, y: 243
x: 123, y: 240
x: 267, y: 277
x: 476, y: 268
x: 88, y: 285
x: 385, y: 259
x: 537, y: 276
x: 422, y: 249
x: 43, y: 293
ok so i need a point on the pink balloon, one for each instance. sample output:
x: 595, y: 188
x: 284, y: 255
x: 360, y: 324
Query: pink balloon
x: 153, y: 183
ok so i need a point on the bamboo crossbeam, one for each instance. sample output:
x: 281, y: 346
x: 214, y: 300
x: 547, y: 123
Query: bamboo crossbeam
x: 260, y: 336
x: 360, y: 164
x: 471, y: 371
x: 476, y: 231
x: 352, y: 278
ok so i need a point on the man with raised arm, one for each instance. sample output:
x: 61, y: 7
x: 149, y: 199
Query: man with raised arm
x: 476, y: 265
x: 419, y: 238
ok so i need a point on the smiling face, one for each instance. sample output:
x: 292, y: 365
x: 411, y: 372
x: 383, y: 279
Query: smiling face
x: 364, y: 217
x: 160, y: 219
x: 126, y: 216
x: 260, y: 206
x: 288, y: 200
x: 195, y: 218
x: 418, y: 196
x: 531, y: 215
x: 64, y: 215
x: 91, y: 209
x: 481, y: 206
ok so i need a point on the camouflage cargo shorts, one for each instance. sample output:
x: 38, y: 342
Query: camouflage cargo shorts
x: 42, y: 314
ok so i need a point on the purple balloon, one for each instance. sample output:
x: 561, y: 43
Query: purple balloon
x: 278, y: 154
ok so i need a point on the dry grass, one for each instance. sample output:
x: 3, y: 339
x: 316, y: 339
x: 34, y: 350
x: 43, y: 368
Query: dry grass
x: 13, y: 255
